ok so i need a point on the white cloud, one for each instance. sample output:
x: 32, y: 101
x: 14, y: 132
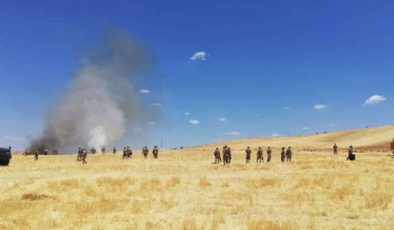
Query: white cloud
x: 275, y: 135
x: 375, y: 99
x: 194, y: 122
x: 137, y: 129
x: 233, y: 133
x: 320, y: 106
x: 287, y: 107
x: 156, y: 104
x: 199, y: 55
x: 305, y: 128
x: 144, y: 91
x: 151, y: 123
x: 11, y: 138
x: 222, y: 119
x: 187, y: 114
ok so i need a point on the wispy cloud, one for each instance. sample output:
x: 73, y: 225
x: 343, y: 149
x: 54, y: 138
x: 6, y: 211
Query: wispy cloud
x: 199, y: 55
x: 187, y: 114
x: 156, y: 104
x: 233, y: 133
x: 320, y: 106
x: 306, y: 128
x: 151, y: 123
x: 146, y: 91
x: 222, y: 119
x: 275, y: 135
x: 194, y: 122
x: 287, y: 107
x: 11, y: 138
x: 374, y: 100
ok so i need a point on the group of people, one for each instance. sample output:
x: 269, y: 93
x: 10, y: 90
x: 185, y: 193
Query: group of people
x: 226, y: 155
x: 155, y: 152
x: 284, y: 155
x: 350, y: 157
x: 127, y: 152
x: 226, y: 152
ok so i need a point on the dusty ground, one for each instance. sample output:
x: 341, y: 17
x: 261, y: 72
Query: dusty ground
x: 184, y: 190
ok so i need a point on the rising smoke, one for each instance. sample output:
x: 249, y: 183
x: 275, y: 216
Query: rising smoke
x: 101, y: 101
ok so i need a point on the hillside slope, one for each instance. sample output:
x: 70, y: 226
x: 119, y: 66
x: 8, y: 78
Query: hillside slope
x: 372, y: 138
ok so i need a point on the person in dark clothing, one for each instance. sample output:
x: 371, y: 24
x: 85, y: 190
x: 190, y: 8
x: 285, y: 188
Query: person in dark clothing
x: 351, y: 156
x: 84, y: 155
x: 335, y: 148
x: 114, y: 150
x: 269, y: 153
x: 129, y: 152
x: 289, y: 153
x: 282, y: 154
x: 259, y: 155
x: 36, y: 153
x: 155, y: 152
x: 229, y: 155
x: 145, y: 151
x: 124, y: 153
x: 225, y: 155
x: 79, y: 156
x: 392, y: 145
x: 93, y: 150
x: 248, y: 154
x: 216, y: 154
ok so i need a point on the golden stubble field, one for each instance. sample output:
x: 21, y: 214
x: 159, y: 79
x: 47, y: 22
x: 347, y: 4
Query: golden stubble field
x: 184, y: 190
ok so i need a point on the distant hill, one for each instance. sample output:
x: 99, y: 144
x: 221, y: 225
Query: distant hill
x: 377, y: 138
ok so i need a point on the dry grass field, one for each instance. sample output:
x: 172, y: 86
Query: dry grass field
x: 184, y: 190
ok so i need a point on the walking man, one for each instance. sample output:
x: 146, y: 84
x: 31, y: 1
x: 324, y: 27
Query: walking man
x: 335, y: 147
x: 259, y: 155
x: 269, y: 152
x: 282, y: 154
x: 248, y: 153
x: 289, y: 153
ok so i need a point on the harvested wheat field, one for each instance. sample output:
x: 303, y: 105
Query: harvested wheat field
x: 184, y: 190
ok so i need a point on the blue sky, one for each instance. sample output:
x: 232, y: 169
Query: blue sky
x: 263, y: 65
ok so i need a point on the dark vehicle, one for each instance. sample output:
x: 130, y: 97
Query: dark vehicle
x: 5, y: 156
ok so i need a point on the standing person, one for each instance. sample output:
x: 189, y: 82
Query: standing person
x: 259, y: 155
x: 103, y: 149
x: 145, y: 152
x: 229, y: 155
x: 335, y: 148
x: 45, y: 151
x: 36, y: 155
x: 124, y: 153
x: 114, y: 150
x: 54, y: 152
x: 225, y: 155
x: 282, y: 154
x: 248, y: 153
x: 269, y: 152
x: 84, y: 155
x: 351, y: 156
x: 289, y: 153
x: 392, y: 145
x: 92, y: 150
x: 216, y: 154
x: 79, y: 156
x: 129, y: 152
x: 155, y: 152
